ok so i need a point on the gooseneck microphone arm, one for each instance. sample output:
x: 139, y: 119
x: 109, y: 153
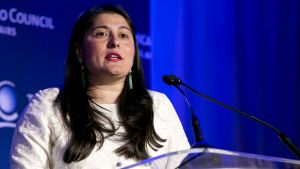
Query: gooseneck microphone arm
x: 199, y: 139
x: 195, y: 123
x: 173, y: 80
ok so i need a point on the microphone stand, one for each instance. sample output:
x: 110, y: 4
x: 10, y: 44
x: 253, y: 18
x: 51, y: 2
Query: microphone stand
x: 281, y: 135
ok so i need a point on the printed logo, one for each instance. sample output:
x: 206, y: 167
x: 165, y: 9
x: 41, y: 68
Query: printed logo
x: 8, y: 104
x: 13, y: 16
x: 145, y: 44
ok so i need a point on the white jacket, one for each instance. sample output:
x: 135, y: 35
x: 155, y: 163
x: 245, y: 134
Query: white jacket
x: 41, y: 137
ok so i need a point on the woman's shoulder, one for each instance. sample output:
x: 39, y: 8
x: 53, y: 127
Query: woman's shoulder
x: 43, y: 98
x: 157, y: 95
x: 46, y: 94
x: 42, y: 109
x: 161, y: 104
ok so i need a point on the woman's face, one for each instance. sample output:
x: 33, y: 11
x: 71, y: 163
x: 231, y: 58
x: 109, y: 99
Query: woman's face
x: 108, y: 48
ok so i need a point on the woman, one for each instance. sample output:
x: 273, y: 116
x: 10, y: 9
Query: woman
x: 103, y: 117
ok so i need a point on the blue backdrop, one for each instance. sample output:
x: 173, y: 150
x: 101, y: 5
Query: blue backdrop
x: 245, y: 53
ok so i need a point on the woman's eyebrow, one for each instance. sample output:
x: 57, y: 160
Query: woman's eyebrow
x: 125, y: 27
x: 100, y: 26
x: 106, y: 27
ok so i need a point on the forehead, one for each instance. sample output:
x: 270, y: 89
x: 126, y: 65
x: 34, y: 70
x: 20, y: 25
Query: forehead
x: 112, y: 19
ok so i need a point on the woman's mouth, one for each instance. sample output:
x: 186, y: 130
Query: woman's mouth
x: 113, y: 57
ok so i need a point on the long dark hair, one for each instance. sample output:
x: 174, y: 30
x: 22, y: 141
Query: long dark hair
x: 82, y: 118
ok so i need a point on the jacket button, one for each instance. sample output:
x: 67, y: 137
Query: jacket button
x: 119, y: 164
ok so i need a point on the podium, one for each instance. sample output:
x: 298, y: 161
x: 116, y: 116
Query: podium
x: 214, y: 158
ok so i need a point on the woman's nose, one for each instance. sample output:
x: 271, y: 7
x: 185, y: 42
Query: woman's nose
x: 113, y: 41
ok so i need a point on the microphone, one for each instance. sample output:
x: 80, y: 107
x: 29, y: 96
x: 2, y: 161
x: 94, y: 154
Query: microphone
x: 175, y: 81
x: 171, y: 80
x: 199, y: 139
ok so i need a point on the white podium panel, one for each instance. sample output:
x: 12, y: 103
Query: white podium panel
x: 214, y: 158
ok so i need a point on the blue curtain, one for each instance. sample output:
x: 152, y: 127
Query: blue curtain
x: 244, y: 53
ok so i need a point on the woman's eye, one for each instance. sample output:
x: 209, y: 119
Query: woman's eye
x: 124, y: 36
x: 101, y: 34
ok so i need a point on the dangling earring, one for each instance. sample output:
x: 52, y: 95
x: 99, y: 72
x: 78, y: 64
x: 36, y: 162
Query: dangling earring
x: 83, y: 76
x: 82, y: 72
x: 130, y: 80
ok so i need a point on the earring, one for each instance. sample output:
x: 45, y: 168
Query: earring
x: 82, y: 72
x: 82, y: 76
x: 130, y: 80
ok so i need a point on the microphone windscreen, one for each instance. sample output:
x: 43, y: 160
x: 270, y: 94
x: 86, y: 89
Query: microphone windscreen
x: 171, y: 80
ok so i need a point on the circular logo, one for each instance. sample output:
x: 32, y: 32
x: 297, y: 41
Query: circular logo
x: 7, y: 99
x: 8, y: 103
